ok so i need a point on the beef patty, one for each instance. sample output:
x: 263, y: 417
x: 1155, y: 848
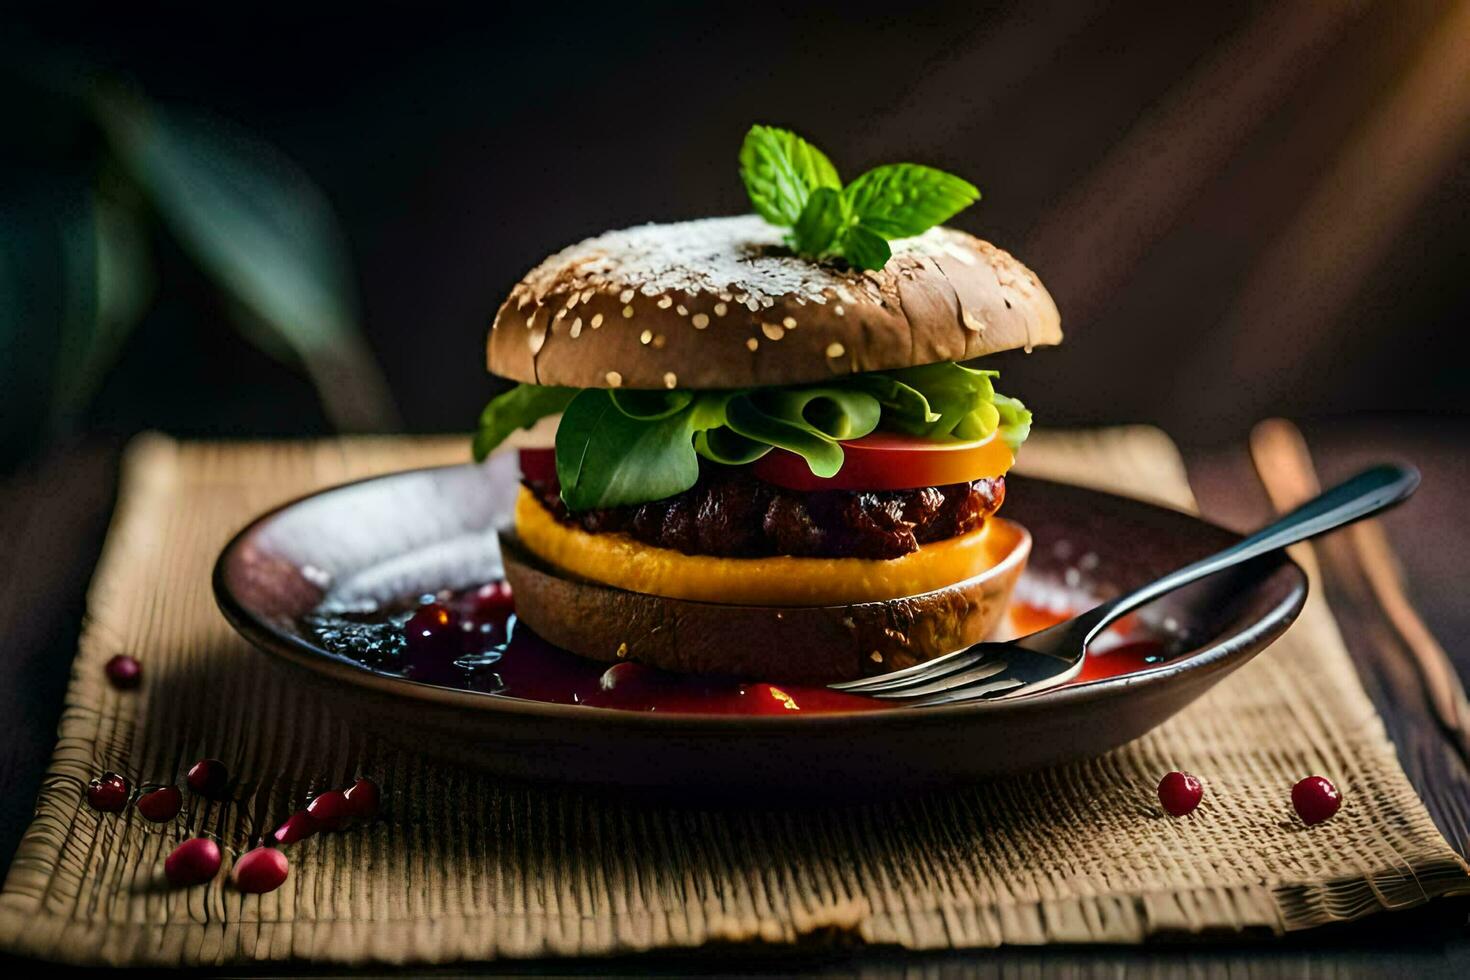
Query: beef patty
x: 731, y: 513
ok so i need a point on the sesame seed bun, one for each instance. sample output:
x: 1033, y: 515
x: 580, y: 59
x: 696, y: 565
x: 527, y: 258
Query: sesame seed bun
x: 721, y: 303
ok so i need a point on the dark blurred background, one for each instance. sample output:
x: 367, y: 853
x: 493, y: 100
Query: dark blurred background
x: 1242, y: 210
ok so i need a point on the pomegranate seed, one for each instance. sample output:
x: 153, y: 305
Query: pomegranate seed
x: 362, y: 799
x: 1315, y: 799
x: 298, y: 826
x: 108, y: 792
x: 633, y: 687
x: 330, y: 810
x: 209, y: 778
x: 1180, y: 793
x: 161, y: 804
x: 261, y: 870
x: 629, y: 676
x: 434, y: 641
x: 492, y: 602
x: 125, y: 672
x: 432, y: 626
x: 192, y: 863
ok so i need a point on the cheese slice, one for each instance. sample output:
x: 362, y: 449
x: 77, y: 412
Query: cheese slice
x: 626, y: 563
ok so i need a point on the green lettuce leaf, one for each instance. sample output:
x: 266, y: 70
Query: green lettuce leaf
x: 1015, y: 421
x: 519, y: 408
x: 806, y: 421
x: 616, y: 447
x: 606, y: 458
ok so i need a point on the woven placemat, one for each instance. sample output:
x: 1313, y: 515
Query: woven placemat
x: 465, y: 867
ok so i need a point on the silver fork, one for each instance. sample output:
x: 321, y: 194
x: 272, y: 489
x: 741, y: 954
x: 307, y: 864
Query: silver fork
x: 1055, y: 655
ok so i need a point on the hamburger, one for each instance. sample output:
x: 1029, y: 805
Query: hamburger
x: 777, y: 450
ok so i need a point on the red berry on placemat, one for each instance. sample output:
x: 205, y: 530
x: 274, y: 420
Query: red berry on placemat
x: 108, y: 792
x: 160, y: 804
x: 1180, y: 793
x: 1315, y: 799
x: 124, y: 671
x: 192, y: 863
x: 261, y: 870
x: 362, y: 799
x: 330, y: 810
x: 209, y: 778
x: 298, y: 826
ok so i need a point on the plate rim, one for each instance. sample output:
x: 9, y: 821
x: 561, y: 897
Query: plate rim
x: 294, y: 651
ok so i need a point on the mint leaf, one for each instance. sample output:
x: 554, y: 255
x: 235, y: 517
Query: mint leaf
x: 821, y: 223
x: 792, y: 184
x: 780, y: 170
x: 901, y: 200
x: 519, y: 408
x: 865, y: 248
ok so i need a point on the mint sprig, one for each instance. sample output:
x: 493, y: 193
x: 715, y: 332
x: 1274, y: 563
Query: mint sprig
x: 792, y: 184
x: 780, y: 170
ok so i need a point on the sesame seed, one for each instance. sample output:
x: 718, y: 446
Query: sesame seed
x: 572, y: 301
x: 658, y: 342
x: 753, y: 305
x: 682, y: 310
x: 789, y: 323
x: 839, y: 310
x: 835, y: 350
x: 537, y: 341
x: 752, y: 343
x: 645, y: 337
x: 773, y: 331
x: 576, y: 330
x: 627, y: 313
x: 665, y: 302
x: 596, y: 320
x: 876, y: 657
x: 586, y: 295
x: 561, y: 314
x: 721, y: 309
x: 614, y: 379
x: 626, y: 296
x: 671, y: 380
x: 974, y: 322
x: 700, y: 321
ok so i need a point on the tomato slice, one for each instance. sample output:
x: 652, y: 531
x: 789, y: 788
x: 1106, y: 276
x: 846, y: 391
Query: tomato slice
x: 892, y: 461
x: 538, y: 465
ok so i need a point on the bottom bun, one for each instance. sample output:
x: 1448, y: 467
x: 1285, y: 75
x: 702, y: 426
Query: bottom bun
x: 791, y: 644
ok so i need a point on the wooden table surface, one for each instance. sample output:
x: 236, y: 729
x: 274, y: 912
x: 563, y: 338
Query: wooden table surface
x: 54, y: 514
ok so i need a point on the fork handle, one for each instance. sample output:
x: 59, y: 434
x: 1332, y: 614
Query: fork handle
x: 1366, y: 494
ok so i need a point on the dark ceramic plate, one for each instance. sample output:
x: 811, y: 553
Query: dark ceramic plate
x: 415, y: 532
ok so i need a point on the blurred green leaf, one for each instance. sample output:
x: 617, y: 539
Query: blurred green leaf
x: 34, y: 209
x: 263, y: 231
x: 108, y: 273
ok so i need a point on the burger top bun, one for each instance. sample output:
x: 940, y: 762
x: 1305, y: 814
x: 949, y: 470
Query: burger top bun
x: 723, y: 303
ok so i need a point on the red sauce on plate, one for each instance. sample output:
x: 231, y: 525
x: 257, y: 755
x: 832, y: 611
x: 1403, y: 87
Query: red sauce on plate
x: 494, y: 653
